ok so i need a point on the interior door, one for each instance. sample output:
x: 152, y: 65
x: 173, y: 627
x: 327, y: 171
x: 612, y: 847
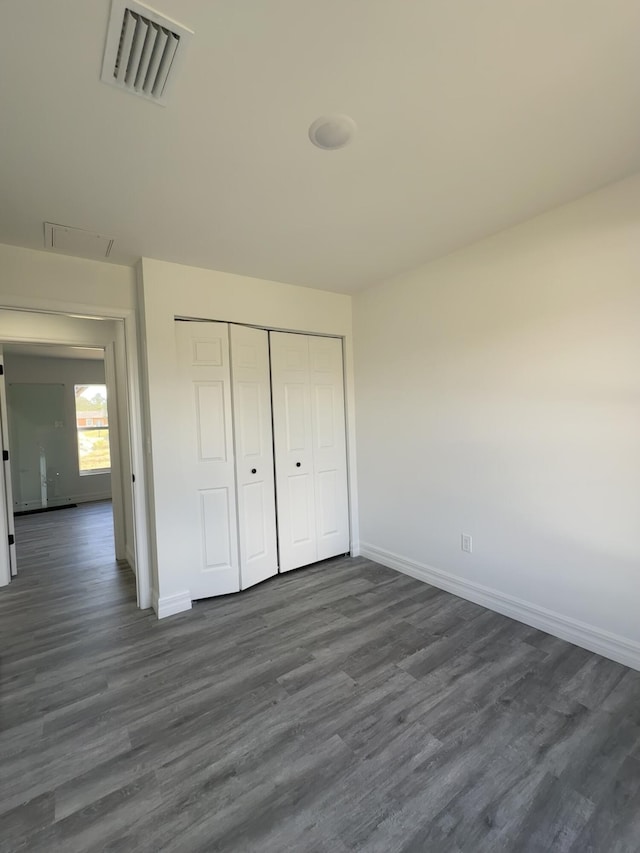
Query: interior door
x: 329, y: 446
x: 293, y: 444
x: 203, y: 407
x: 6, y: 455
x: 251, y: 395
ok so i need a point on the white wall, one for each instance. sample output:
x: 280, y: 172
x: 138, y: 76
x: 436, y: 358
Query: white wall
x: 48, y: 281
x: 498, y: 394
x: 170, y: 290
x: 71, y: 487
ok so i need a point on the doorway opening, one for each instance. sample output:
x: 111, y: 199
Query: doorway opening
x: 70, y: 426
x: 60, y: 437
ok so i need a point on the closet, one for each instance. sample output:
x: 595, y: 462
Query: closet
x: 262, y: 450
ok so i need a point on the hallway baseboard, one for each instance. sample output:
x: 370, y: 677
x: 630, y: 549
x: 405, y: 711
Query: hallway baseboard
x: 45, y: 509
x: 72, y: 500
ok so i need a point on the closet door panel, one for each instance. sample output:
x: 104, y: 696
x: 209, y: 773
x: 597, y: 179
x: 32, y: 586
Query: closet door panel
x: 207, y: 488
x: 216, y: 527
x: 300, y: 529
x: 293, y: 443
x: 210, y: 421
x: 329, y: 446
x: 253, y: 454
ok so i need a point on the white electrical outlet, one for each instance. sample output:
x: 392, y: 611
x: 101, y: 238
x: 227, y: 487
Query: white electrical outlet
x: 466, y: 543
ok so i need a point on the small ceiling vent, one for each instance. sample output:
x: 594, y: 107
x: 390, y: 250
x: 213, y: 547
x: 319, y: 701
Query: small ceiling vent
x: 76, y: 241
x: 143, y: 50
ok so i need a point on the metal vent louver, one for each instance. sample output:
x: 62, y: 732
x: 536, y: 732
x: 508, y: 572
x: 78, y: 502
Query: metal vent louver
x: 143, y: 50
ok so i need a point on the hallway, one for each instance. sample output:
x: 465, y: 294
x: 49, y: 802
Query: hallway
x: 69, y: 555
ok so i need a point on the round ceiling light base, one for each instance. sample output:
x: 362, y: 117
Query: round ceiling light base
x: 332, y: 132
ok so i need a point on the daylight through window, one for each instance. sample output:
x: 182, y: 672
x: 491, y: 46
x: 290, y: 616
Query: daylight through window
x: 92, y: 423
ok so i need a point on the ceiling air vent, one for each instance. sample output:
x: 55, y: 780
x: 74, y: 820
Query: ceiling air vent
x: 76, y: 241
x: 143, y: 50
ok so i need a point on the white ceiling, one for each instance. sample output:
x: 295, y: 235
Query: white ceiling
x: 471, y: 116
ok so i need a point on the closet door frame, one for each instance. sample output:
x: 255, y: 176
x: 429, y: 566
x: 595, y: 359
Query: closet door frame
x: 197, y: 591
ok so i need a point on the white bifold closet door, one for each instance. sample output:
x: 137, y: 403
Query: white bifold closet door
x: 251, y: 395
x: 232, y: 380
x: 310, y: 448
x: 226, y: 447
x: 208, y: 490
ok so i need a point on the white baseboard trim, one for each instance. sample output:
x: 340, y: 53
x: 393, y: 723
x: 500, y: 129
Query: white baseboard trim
x: 169, y: 605
x: 587, y: 636
x: 96, y: 496
x: 25, y: 506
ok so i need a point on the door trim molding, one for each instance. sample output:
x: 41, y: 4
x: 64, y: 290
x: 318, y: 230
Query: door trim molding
x: 590, y: 637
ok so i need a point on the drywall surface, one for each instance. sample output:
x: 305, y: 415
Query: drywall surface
x: 65, y: 483
x: 27, y: 327
x: 46, y: 280
x: 170, y: 290
x: 498, y: 395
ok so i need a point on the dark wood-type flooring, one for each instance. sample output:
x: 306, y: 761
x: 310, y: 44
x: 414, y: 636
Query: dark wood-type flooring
x: 342, y: 707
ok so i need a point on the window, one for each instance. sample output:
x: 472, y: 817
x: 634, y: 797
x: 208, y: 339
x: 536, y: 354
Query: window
x: 92, y: 423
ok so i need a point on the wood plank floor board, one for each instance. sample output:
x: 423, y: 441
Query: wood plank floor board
x: 19, y: 822
x: 615, y: 822
x: 94, y: 827
x: 338, y: 708
x: 40, y: 768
